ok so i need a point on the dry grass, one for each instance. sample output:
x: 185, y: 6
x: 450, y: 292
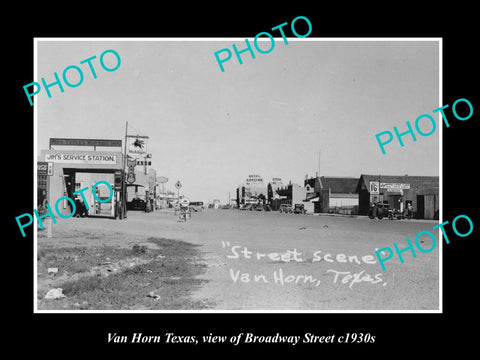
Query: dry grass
x: 168, y: 271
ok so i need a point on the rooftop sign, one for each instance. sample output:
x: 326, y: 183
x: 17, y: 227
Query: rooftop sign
x: 85, y: 142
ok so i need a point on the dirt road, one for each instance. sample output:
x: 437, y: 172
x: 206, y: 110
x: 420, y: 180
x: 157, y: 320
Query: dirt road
x: 252, y: 261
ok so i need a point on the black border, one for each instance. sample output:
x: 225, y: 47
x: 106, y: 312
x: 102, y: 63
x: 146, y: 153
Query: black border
x: 395, y: 333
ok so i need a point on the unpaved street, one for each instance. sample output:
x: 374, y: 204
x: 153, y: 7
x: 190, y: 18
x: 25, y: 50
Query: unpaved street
x: 238, y: 260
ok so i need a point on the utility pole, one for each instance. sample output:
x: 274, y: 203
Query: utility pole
x: 319, y: 153
x: 380, y: 194
x: 123, y: 211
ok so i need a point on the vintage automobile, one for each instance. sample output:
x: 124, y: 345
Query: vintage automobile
x: 299, y: 209
x: 137, y: 204
x: 246, y: 207
x: 379, y: 210
x: 197, y: 206
x: 285, y: 208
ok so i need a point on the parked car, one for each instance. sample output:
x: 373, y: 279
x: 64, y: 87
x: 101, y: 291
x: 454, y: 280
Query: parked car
x: 299, y: 209
x: 379, y: 210
x: 136, y: 204
x: 258, y: 207
x: 286, y: 208
x: 197, y: 206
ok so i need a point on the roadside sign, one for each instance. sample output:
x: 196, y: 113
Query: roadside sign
x: 131, y: 170
x: 178, y: 185
x: 44, y: 168
x: 162, y: 179
x: 374, y: 187
x: 130, y: 178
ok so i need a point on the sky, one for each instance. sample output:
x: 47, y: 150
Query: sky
x: 270, y: 116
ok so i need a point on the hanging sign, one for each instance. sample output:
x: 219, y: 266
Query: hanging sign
x: 136, y: 145
x: 131, y: 170
x: 44, y: 168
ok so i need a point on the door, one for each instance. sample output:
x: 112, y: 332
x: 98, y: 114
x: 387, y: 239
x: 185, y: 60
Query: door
x: 429, y: 205
x: 395, y: 201
x: 420, y: 206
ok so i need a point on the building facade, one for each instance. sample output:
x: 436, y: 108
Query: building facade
x: 422, y: 192
x: 72, y: 170
x: 291, y: 195
x: 332, y: 194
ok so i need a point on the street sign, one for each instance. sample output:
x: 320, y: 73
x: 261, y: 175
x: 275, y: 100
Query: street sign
x: 178, y: 185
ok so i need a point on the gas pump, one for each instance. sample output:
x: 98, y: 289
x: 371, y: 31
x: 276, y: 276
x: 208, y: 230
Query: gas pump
x: 106, y: 208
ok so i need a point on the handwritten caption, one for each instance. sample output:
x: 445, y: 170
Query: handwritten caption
x: 281, y: 277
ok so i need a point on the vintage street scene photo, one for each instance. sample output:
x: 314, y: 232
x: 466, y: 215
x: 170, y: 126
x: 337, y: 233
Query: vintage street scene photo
x: 237, y: 175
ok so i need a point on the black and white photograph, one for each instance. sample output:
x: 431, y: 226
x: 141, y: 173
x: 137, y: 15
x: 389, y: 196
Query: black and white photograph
x: 182, y: 181
x: 223, y: 179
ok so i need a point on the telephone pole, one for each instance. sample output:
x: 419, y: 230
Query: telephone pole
x: 123, y: 202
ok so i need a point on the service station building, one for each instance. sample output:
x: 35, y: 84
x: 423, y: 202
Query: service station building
x: 71, y: 167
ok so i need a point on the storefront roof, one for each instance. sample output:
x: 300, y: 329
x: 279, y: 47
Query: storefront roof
x: 336, y: 184
x: 415, y: 182
x: 340, y: 185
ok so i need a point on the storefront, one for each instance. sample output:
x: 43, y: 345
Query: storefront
x: 73, y: 170
x: 253, y: 192
x: 292, y: 194
x: 421, y: 192
x: 143, y: 190
x: 332, y: 194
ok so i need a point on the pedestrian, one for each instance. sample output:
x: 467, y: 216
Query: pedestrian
x: 409, y: 210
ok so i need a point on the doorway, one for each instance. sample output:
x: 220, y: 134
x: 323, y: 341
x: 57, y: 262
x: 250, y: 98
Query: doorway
x: 420, y: 206
x: 82, y: 178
